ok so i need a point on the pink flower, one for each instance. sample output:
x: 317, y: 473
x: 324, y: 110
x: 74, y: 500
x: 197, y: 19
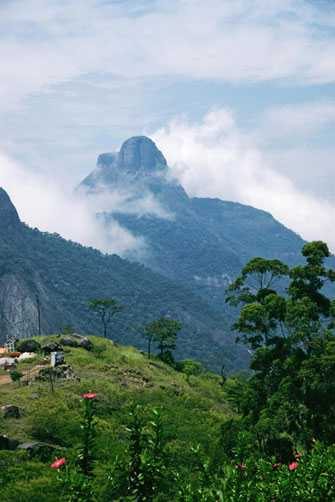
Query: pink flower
x: 90, y: 395
x: 277, y: 464
x: 313, y: 440
x: 293, y: 466
x: 236, y: 466
x: 298, y: 455
x: 58, y: 462
x: 245, y: 474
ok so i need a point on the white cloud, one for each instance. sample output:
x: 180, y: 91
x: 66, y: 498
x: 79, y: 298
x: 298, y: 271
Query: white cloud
x: 47, y: 42
x: 44, y: 204
x: 215, y: 159
x: 297, y: 120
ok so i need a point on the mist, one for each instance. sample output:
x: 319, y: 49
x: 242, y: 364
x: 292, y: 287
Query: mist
x: 44, y: 203
x: 214, y: 158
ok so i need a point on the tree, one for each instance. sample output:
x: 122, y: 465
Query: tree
x: 293, y: 334
x: 190, y: 367
x: 67, y: 329
x: 106, y: 308
x: 165, y: 334
x: 146, y: 331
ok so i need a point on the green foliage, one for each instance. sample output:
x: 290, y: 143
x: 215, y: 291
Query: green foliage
x: 16, y: 375
x: 290, y: 395
x: 140, y: 475
x: 67, y: 329
x: 189, y: 367
x: 73, y: 275
x: 165, y: 334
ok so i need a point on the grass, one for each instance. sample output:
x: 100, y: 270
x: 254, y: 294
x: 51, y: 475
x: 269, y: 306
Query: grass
x: 193, y: 413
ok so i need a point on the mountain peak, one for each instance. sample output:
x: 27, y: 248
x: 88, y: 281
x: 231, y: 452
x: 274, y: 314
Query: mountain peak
x: 8, y: 214
x: 140, y: 153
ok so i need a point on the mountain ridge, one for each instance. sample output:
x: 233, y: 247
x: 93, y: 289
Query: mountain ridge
x: 207, y: 242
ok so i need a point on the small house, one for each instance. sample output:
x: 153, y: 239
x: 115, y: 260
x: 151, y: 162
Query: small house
x: 10, y: 344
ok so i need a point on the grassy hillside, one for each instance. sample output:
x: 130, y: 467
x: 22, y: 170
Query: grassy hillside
x: 192, y: 413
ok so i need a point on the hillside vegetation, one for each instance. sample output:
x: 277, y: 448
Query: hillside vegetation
x: 192, y: 413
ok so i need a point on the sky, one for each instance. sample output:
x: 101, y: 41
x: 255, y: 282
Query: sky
x: 238, y: 95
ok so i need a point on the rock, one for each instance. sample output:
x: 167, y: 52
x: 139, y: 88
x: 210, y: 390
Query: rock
x: 86, y: 344
x: 62, y: 372
x: 8, y: 444
x: 10, y: 411
x: 41, y: 449
x: 51, y: 347
x: 158, y: 366
x: 28, y: 346
x: 77, y: 335
x: 140, y: 153
x: 68, y: 341
x: 83, y: 341
x: 142, y: 352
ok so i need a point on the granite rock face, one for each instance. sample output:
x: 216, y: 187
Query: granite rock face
x: 140, y: 153
x: 138, y: 157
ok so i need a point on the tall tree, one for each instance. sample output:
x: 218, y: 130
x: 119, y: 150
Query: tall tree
x: 165, y: 333
x: 106, y: 308
x: 292, y: 388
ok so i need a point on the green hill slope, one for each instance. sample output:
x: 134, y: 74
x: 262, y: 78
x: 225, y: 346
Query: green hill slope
x: 193, y: 413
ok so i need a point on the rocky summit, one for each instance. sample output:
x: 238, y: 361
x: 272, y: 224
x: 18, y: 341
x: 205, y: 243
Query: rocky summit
x: 138, y: 156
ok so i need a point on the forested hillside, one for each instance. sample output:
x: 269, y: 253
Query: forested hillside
x: 64, y: 276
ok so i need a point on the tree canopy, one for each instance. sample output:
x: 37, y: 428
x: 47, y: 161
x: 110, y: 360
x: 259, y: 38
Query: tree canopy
x: 291, y: 392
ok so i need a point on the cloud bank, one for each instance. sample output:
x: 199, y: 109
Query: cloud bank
x: 43, y: 203
x: 241, y: 41
x: 216, y: 159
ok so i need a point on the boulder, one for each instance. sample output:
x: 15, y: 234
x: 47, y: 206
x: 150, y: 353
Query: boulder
x: 68, y: 341
x: 8, y: 444
x: 83, y: 341
x: 28, y: 346
x: 86, y: 344
x: 51, y: 347
x: 77, y: 335
x: 10, y: 411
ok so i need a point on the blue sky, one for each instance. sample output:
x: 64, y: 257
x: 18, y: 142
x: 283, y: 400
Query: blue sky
x: 239, y: 96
